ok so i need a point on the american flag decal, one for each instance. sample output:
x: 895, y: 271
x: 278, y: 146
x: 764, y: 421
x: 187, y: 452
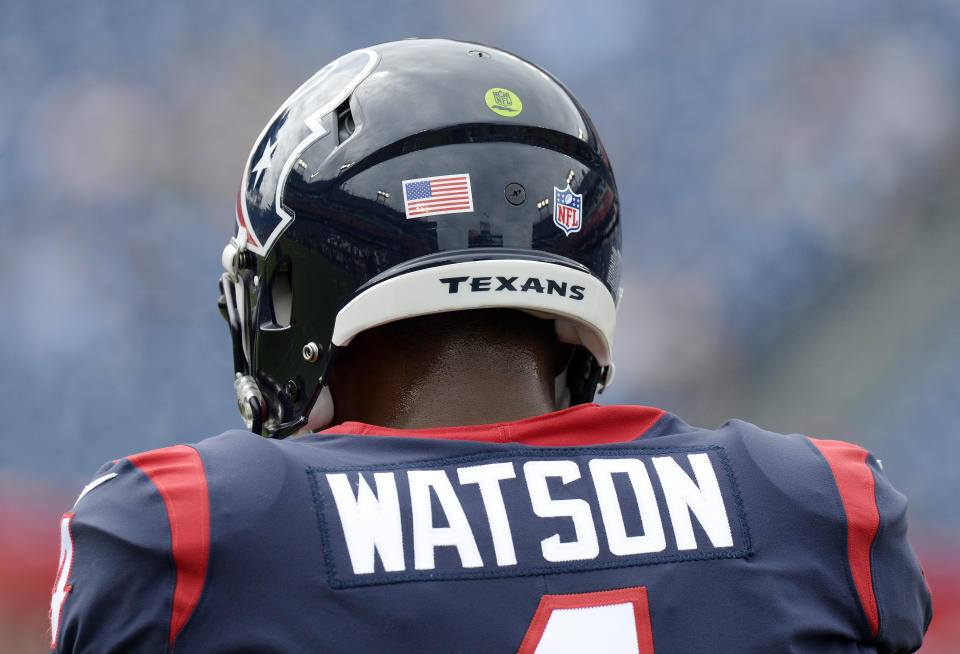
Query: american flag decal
x: 431, y: 196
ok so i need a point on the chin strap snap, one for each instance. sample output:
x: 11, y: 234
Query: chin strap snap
x: 250, y: 402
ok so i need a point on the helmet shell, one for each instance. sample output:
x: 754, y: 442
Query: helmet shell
x: 323, y: 205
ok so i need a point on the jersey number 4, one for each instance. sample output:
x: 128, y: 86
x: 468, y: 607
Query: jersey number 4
x: 611, y: 621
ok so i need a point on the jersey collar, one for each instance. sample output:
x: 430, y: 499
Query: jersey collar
x: 584, y: 424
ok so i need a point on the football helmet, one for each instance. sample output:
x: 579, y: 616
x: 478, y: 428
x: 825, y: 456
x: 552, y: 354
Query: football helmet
x: 411, y: 178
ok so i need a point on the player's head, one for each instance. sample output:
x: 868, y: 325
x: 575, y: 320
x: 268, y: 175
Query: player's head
x: 414, y: 178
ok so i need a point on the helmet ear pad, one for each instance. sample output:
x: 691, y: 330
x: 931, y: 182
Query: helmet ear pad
x: 440, y: 364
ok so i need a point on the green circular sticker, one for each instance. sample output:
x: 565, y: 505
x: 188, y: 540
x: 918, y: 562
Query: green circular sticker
x: 503, y: 102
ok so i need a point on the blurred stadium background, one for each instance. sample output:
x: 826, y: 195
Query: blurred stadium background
x: 790, y: 179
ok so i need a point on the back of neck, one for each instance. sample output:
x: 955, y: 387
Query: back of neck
x: 405, y: 378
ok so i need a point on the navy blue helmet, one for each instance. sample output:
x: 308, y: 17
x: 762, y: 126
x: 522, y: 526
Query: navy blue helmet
x: 412, y: 178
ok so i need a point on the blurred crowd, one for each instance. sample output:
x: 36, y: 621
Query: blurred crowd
x: 788, y: 175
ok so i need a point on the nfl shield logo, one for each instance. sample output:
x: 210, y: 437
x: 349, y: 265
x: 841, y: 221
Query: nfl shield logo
x: 566, y: 210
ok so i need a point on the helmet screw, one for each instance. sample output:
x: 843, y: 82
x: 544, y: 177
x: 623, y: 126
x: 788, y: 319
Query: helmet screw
x: 515, y: 193
x: 291, y: 390
x: 311, y: 352
x: 479, y: 54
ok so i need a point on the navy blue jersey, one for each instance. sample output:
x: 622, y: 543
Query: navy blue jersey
x: 594, y: 529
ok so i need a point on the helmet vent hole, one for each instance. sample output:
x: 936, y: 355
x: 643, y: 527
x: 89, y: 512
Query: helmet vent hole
x: 345, y: 123
x: 281, y: 295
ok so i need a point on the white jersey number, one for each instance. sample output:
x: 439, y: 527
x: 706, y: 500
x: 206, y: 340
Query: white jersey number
x: 611, y: 621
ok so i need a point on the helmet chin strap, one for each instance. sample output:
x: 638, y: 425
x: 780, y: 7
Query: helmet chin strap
x: 561, y: 392
x: 321, y: 412
x: 250, y: 401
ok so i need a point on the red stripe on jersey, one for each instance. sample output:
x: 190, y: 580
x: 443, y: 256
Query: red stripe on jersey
x: 857, y: 492
x: 178, y: 474
x: 577, y: 426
